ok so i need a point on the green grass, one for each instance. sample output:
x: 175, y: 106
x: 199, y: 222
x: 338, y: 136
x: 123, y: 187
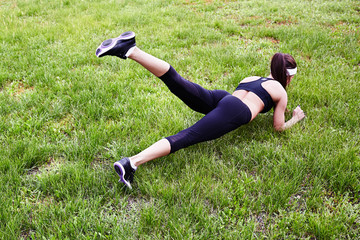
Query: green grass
x: 66, y: 116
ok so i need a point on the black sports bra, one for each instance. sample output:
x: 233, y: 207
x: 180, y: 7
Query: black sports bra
x: 255, y: 87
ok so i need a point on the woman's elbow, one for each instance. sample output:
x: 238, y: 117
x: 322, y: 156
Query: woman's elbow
x: 279, y: 128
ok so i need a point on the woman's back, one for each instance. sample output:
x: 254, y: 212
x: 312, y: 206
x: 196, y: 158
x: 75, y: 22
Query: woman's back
x: 259, y: 94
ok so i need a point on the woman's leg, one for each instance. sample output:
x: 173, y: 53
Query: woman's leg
x: 127, y: 166
x: 155, y: 65
x: 196, y: 97
x: 159, y: 149
x: 229, y: 115
x: 193, y: 95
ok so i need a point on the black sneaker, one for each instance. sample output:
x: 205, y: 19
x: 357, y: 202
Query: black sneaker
x: 125, y: 171
x: 119, y: 46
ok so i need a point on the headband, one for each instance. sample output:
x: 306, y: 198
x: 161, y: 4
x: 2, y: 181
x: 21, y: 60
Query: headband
x: 291, y: 71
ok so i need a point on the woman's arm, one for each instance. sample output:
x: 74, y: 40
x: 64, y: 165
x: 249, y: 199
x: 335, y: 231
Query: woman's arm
x: 279, y: 117
x: 279, y: 114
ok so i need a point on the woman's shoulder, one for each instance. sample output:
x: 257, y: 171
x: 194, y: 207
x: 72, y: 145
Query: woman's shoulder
x: 250, y: 79
x: 254, y: 78
x: 275, y: 89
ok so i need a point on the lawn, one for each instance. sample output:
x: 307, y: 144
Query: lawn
x: 66, y: 116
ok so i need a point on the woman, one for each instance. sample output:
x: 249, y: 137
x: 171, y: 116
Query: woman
x: 223, y: 112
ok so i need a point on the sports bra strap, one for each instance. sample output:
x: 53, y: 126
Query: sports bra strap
x: 256, y: 87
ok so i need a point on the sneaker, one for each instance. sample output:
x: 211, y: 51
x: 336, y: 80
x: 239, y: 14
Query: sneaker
x: 125, y: 171
x: 121, y: 46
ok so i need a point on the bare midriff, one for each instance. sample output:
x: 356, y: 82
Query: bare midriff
x: 251, y: 100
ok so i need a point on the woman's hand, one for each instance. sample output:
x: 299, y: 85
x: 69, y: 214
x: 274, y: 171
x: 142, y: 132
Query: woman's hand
x: 298, y: 114
x: 279, y: 119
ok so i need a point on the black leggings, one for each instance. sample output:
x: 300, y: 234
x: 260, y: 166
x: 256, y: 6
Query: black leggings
x: 223, y: 112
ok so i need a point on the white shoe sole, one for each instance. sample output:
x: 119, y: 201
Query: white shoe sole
x: 105, y: 46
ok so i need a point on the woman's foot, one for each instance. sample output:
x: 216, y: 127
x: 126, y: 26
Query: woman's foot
x: 121, y: 46
x: 125, y: 171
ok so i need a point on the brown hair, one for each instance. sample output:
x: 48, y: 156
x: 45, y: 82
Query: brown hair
x: 279, y: 63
